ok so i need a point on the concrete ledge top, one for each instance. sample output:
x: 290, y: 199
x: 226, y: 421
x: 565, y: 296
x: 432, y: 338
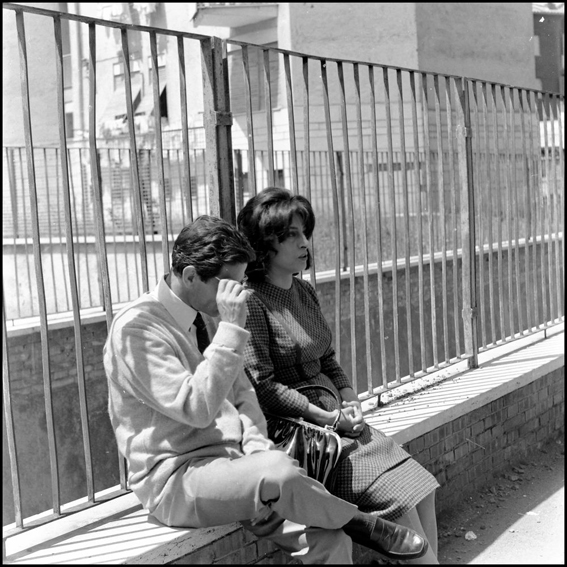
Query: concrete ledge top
x: 449, y: 399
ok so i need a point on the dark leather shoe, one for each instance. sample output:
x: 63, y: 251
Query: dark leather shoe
x: 389, y: 539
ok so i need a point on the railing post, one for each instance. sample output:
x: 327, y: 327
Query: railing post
x: 218, y: 122
x: 464, y: 145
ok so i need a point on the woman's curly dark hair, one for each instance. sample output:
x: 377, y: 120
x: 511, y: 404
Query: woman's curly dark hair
x: 208, y: 243
x: 267, y: 215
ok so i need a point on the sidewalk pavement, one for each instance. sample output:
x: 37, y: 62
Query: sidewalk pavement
x: 518, y: 519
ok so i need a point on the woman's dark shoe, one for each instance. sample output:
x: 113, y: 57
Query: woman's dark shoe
x: 389, y: 539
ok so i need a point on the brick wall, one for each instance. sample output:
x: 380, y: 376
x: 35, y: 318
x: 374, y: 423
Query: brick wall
x: 466, y: 453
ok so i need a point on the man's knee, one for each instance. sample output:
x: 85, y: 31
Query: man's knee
x: 281, y: 466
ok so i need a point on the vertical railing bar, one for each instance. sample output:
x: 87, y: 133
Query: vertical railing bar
x: 81, y: 383
x: 185, y: 203
x: 417, y: 183
x: 291, y: 124
x: 557, y: 208
x: 27, y: 255
x: 546, y: 231
x: 453, y: 205
x: 249, y: 123
x: 14, y: 206
x: 122, y: 474
x: 498, y: 213
x: 65, y: 286
x: 541, y: 210
x: 426, y: 140
x: 331, y: 153
x: 479, y: 185
x: 368, y: 342
x: 536, y: 159
x: 136, y: 212
x: 378, y: 217
x: 149, y: 203
x: 405, y: 201
x: 441, y: 187
x: 393, y: 220
x: 186, y: 188
x: 307, y: 159
x: 46, y: 366
x: 134, y: 160
x: 74, y: 216
x: 125, y: 244
x: 269, y: 125
x: 159, y: 156
x: 50, y: 246
x: 467, y: 221
x: 9, y: 423
x: 516, y: 195
x: 74, y: 210
x: 226, y: 194
x: 508, y: 185
x: 168, y: 174
x: 58, y: 207
x: 96, y: 179
x: 561, y: 209
x: 351, y: 238
x: 97, y: 200
x: 527, y: 232
x: 490, y: 235
x: 85, y: 234
x: 342, y: 214
x: 113, y: 225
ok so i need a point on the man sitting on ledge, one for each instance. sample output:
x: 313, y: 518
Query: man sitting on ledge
x: 188, y: 422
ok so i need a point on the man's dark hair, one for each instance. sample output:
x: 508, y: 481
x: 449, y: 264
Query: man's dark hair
x: 208, y: 243
x: 267, y: 215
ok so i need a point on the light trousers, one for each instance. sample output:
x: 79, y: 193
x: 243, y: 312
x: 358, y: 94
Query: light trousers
x: 270, y: 495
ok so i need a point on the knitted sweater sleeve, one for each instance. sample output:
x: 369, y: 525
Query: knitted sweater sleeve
x: 159, y: 367
x: 254, y: 427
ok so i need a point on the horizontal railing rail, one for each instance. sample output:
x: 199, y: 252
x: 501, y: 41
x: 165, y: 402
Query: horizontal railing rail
x: 439, y: 204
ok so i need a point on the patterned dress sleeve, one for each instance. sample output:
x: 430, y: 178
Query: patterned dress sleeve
x: 329, y: 365
x: 273, y: 396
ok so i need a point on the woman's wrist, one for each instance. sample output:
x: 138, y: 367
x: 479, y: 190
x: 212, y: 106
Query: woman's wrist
x: 336, y: 420
x: 322, y: 417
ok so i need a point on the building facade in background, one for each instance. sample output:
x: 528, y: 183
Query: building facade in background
x: 462, y: 39
x: 549, y: 38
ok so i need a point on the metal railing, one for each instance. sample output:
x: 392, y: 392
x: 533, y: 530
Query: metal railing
x: 463, y: 252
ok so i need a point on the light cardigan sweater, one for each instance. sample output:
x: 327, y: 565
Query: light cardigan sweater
x: 168, y: 403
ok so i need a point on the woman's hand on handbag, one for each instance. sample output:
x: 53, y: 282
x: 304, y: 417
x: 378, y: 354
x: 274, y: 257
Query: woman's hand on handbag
x: 349, y: 423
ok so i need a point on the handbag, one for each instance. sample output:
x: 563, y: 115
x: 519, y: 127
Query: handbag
x: 316, y: 448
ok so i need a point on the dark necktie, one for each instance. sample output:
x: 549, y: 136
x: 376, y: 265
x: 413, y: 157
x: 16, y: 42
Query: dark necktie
x: 202, y: 334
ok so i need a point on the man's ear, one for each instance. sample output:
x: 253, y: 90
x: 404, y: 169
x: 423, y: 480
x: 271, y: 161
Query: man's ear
x: 188, y: 274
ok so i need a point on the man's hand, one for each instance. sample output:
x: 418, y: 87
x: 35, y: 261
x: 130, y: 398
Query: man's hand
x: 231, y: 302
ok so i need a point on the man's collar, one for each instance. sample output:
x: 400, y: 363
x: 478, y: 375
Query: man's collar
x: 183, y: 314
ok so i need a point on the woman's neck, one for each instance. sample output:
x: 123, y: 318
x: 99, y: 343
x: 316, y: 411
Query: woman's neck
x: 279, y: 279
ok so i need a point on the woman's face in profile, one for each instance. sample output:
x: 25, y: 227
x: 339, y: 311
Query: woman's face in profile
x: 290, y: 255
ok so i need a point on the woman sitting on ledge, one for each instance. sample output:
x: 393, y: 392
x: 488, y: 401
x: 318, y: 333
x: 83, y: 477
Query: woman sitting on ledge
x: 373, y: 472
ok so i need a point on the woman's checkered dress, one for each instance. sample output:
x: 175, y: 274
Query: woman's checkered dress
x: 374, y: 472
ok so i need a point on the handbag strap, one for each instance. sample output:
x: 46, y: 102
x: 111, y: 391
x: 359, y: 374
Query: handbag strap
x: 320, y: 387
